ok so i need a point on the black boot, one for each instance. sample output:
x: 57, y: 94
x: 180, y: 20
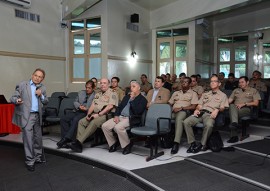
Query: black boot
x: 62, y: 143
x: 76, y: 146
x: 113, y: 148
x: 127, y: 149
x: 175, y: 148
x: 191, y: 147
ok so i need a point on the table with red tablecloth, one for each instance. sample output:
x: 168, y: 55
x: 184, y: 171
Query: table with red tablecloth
x: 6, y: 126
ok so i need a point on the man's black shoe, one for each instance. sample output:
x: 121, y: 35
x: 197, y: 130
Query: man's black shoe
x: 76, y: 146
x: 175, y: 148
x: 197, y: 148
x: 30, y: 167
x: 233, y: 125
x: 204, y: 148
x: 40, y: 161
x: 191, y: 147
x: 127, y: 149
x: 62, y: 142
x: 113, y: 147
x: 233, y: 139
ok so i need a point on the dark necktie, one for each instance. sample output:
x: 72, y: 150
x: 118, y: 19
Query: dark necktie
x: 214, y: 93
x: 86, y: 98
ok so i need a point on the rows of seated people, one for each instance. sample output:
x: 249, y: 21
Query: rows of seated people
x: 191, y: 104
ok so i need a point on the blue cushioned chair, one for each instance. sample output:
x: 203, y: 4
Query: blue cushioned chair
x: 157, y: 123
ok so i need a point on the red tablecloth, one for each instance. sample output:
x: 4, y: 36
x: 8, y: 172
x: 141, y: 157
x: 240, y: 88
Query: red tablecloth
x: 6, y: 126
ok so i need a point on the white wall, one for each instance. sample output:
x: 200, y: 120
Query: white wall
x: 22, y: 36
x: 122, y: 41
x: 186, y: 9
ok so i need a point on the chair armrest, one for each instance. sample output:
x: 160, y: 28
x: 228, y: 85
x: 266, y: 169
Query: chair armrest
x: 158, y: 123
x: 67, y: 110
x: 51, y: 109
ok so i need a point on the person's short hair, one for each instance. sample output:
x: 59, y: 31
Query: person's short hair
x: 135, y: 82
x: 214, y: 75
x: 92, y: 84
x: 182, y: 74
x: 257, y: 71
x: 231, y: 75
x: 194, y: 76
x: 168, y: 74
x: 160, y: 78
x: 116, y: 78
x: 199, y: 76
x: 144, y: 75
x: 94, y: 78
x: 222, y: 73
x: 40, y: 70
x: 244, y: 77
x: 189, y: 79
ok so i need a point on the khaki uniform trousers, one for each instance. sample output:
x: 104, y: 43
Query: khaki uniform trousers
x: 236, y: 114
x: 87, y: 128
x: 179, y: 126
x: 208, y: 127
x: 119, y: 128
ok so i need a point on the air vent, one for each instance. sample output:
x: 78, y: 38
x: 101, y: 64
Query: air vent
x: 132, y: 27
x: 27, y: 16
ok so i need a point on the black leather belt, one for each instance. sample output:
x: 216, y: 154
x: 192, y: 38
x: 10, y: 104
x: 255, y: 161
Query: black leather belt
x: 34, y: 112
x: 205, y: 111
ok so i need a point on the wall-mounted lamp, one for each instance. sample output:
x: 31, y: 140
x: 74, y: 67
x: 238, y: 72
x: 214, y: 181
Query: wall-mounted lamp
x: 134, y: 54
x: 132, y: 58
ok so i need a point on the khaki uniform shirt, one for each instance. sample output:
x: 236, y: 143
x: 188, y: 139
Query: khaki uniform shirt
x: 103, y: 99
x: 198, y: 89
x: 210, y: 101
x: 163, y: 96
x: 120, y: 93
x: 249, y: 95
x: 258, y: 85
x: 147, y: 85
x: 181, y: 99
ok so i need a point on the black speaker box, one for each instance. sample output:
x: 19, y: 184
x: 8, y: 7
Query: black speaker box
x: 134, y: 18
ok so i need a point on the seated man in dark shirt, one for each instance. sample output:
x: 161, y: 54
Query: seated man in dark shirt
x: 231, y: 83
x: 132, y: 104
x: 69, y: 122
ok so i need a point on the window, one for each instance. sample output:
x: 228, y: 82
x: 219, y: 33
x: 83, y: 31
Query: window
x: 266, y: 60
x: 172, y: 51
x: 232, y: 55
x: 85, y: 49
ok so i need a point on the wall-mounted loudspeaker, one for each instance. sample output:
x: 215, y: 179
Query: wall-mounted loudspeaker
x: 134, y: 18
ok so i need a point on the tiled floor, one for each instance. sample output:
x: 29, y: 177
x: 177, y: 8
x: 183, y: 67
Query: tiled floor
x: 136, y: 159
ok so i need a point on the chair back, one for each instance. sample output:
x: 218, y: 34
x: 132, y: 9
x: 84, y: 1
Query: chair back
x: 72, y: 95
x: 52, y: 108
x: 66, y: 104
x: 58, y: 94
x: 157, y: 111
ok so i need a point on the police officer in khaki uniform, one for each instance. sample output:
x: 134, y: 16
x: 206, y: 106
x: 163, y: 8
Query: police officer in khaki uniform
x: 182, y: 101
x: 145, y: 86
x: 116, y: 88
x: 256, y: 82
x: 206, y: 111
x: 194, y: 86
x: 242, y: 98
x: 103, y: 102
x: 159, y: 94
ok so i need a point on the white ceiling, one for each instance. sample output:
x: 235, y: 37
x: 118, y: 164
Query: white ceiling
x: 152, y: 4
